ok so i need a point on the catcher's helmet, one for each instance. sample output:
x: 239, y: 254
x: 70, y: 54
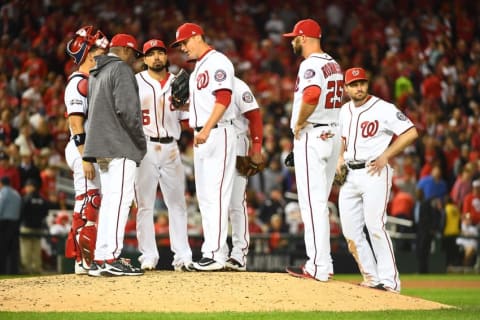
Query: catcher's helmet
x: 83, y: 41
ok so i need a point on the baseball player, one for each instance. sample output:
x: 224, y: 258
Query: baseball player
x: 248, y: 119
x: 368, y: 124
x: 115, y: 140
x: 86, y: 180
x: 211, y: 115
x: 162, y: 164
x: 316, y: 146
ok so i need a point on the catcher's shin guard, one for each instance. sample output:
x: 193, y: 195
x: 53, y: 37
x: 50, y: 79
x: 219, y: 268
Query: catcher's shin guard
x: 87, y: 236
x: 72, y: 248
x: 83, y: 234
x: 86, y: 240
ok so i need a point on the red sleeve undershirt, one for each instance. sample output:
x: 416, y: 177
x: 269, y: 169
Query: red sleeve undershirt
x: 256, y: 129
x: 223, y: 96
x: 311, y: 95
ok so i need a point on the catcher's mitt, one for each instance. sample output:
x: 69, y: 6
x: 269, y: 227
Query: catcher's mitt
x: 180, y: 91
x: 341, y: 177
x: 246, y: 167
x: 289, y: 160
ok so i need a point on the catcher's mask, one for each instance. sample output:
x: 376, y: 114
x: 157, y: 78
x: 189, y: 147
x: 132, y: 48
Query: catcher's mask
x: 84, y: 39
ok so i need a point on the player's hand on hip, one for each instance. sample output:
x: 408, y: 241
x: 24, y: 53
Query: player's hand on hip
x: 88, y: 170
x: 376, y: 166
x: 200, y: 138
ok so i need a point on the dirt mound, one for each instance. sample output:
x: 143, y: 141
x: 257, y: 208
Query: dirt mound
x: 168, y: 291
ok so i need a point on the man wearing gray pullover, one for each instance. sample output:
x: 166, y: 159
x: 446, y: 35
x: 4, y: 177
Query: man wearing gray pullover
x: 115, y: 140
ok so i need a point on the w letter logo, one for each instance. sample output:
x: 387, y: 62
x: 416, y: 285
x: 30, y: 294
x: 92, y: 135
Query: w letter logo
x: 202, y: 80
x: 369, y: 129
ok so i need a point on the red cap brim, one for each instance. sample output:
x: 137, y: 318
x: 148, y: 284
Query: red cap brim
x: 291, y: 34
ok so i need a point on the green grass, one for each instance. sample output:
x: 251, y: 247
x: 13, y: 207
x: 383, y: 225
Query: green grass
x: 467, y: 301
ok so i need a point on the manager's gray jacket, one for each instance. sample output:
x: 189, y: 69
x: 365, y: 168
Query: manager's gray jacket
x: 114, y: 114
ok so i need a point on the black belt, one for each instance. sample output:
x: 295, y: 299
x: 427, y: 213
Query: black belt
x: 200, y: 128
x: 214, y: 127
x: 316, y: 125
x: 357, y: 165
x: 162, y: 140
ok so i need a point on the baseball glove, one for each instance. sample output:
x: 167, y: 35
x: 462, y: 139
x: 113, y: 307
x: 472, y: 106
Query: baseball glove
x: 246, y: 167
x: 289, y: 160
x: 180, y: 92
x: 341, y: 177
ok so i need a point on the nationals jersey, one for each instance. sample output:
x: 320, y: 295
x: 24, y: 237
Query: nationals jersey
x: 160, y: 119
x: 369, y: 129
x: 74, y: 98
x: 244, y: 101
x: 214, y: 71
x: 320, y: 70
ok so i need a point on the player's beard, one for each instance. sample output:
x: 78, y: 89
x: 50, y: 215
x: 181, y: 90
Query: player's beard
x: 157, y: 67
x: 359, y: 97
x: 297, y: 49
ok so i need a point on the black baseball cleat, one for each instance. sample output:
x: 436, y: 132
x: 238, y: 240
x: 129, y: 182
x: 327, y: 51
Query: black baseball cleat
x: 118, y: 267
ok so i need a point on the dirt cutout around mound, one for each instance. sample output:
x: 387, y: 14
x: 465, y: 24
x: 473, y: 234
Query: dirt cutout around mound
x: 168, y: 291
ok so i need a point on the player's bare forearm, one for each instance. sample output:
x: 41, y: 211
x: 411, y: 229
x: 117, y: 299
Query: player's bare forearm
x: 341, y: 159
x: 403, y: 140
x: 215, y: 116
x: 305, y: 111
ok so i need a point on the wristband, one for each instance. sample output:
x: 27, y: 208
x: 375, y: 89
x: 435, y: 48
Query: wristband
x: 79, y: 139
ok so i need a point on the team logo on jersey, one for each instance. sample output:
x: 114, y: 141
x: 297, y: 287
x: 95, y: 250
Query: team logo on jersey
x: 247, y: 97
x: 401, y: 116
x: 220, y: 75
x: 369, y: 128
x: 310, y: 73
x: 202, y: 80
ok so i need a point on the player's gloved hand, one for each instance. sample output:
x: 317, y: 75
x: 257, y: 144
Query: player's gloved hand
x: 180, y: 91
x: 289, y: 160
x: 340, y: 175
x: 249, y: 166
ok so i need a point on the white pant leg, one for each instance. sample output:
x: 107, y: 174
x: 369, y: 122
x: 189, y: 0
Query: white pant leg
x: 352, y: 218
x: 315, y: 161
x: 214, y: 163
x: 117, y: 195
x: 146, y: 182
x: 172, y: 184
x: 238, y: 209
x: 375, y: 201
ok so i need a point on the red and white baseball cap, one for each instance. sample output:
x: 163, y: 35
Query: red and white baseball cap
x: 125, y: 40
x: 355, y: 74
x: 308, y: 27
x: 153, y: 44
x: 186, y: 31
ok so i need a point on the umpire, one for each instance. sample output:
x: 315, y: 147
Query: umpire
x: 10, y: 204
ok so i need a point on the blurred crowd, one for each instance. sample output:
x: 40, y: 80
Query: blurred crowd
x: 424, y: 56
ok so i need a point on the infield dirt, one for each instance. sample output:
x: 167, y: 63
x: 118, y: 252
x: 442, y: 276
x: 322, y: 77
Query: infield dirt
x: 168, y: 291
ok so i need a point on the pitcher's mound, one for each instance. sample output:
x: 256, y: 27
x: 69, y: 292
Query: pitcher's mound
x: 168, y: 291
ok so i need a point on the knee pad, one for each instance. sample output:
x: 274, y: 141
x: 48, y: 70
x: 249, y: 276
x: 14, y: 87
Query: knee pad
x: 92, y: 205
x: 87, y: 238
